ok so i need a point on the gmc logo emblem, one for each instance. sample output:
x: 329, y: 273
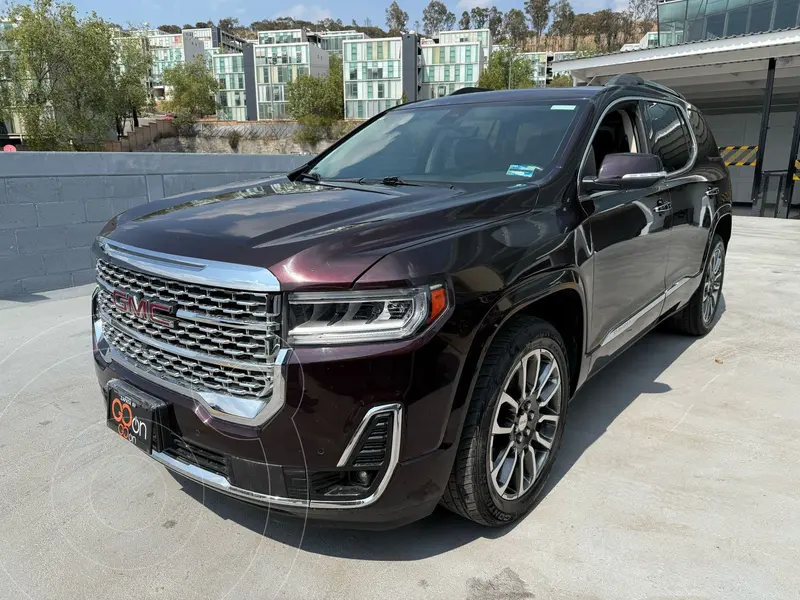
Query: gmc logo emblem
x: 147, y: 310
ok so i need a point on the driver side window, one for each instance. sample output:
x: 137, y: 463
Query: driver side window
x: 618, y: 132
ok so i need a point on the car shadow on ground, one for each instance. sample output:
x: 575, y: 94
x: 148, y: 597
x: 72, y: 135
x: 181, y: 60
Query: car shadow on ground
x: 591, y: 412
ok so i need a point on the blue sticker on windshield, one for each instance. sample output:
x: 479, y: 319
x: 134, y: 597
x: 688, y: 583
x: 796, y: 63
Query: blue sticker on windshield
x: 522, y: 170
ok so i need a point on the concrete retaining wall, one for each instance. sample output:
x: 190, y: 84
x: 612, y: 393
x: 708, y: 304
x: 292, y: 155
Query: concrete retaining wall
x: 52, y: 204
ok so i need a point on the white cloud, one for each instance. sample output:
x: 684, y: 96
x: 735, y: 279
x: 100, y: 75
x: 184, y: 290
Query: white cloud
x: 470, y: 4
x: 306, y: 12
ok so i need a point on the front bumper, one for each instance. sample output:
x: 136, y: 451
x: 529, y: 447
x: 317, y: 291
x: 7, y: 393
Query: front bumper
x: 324, y: 408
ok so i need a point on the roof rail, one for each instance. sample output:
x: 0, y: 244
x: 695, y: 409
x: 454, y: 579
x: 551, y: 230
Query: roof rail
x: 469, y: 90
x: 628, y: 79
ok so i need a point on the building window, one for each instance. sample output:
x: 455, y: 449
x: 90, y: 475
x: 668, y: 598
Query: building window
x: 441, y: 55
x: 785, y: 14
x: 442, y: 91
x: 469, y: 76
x: 760, y: 17
x: 452, y: 54
x: 468, y: 54
x: 381, y: 91
x: 353, y: 52
x: 457, y: 70
x: 369, y: 90
x: 447, y: 73
x: 241, y: 81
x: 369, y: 51
x: 353, y: 72
x: 352, y: 90
x: 360, y: 109
x: 391, y: 69
x: 431, y: 73
x: 380, y: 50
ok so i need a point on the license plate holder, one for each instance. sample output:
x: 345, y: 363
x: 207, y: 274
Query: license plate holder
x: 134, y: 415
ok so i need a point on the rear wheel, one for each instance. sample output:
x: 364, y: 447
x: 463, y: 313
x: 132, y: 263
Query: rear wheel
x: 697, y: 317
x: 514, y: 426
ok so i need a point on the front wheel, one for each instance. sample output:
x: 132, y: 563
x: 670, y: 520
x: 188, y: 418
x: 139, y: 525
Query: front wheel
x: 697, y: 317
x: 514, y: 426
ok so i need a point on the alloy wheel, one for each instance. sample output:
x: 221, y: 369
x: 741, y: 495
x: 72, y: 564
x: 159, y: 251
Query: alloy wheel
x: 712, y: 286
x: 524, y: 424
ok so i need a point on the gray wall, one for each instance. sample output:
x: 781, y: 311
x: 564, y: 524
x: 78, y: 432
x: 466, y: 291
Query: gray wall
x: 742, y: 129
x: 52, y: 204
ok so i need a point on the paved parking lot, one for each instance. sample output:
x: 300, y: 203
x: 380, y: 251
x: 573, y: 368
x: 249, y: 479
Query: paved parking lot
x: 678, y: 478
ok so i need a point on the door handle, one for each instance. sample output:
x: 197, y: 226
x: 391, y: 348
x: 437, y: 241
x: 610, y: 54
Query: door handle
x: 662, y: 208
x: 712, y: 191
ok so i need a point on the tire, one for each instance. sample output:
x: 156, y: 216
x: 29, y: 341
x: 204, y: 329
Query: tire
x: 693, y: 319
x: 475, y: 488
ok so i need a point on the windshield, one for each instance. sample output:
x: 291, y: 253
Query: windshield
x: 464, y: 143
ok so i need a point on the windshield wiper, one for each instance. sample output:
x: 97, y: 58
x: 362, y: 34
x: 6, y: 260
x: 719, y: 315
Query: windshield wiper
x: 393, y: 180
x: 306, y: 175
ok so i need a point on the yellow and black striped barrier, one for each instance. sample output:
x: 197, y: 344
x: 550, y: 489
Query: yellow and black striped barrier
x: 739, y: 156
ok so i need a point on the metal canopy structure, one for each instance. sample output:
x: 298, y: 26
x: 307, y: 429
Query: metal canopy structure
x: 715, y: 75
x: 749, y: 73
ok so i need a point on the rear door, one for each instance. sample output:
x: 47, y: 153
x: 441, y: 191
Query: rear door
x: 686, y: 148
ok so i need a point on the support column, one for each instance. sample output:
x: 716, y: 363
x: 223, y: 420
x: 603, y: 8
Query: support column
x: 788, y: 185
x: 762, y: 138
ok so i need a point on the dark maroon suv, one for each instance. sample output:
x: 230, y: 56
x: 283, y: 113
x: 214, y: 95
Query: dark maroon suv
x: 402, y: 321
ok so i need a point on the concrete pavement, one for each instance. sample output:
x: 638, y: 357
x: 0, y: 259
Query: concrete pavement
x: 678, y: 478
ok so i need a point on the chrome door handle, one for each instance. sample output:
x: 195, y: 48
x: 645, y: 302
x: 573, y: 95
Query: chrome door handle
x: 712, y: 191
x: 662, y: 208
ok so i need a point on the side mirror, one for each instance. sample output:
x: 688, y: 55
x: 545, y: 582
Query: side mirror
x: 625, y: 171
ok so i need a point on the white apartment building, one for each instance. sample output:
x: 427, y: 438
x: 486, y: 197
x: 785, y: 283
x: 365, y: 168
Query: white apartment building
x: 283, y: 36
x: 217, y: 41
x: 231, y: 97
x: 333, y: 41
x: 170, y: 49
x: 540, y: 62
x: 276, y: 64
x: 447, y: 67
x: 484, y: 36
x: 373, y: 76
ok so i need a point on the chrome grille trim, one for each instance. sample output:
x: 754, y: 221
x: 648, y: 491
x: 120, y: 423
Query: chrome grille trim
x: 192, y: 270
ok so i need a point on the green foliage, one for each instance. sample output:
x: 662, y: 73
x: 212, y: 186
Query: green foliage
x: 192, y: 91
x: 496, y: 75
x: 317, y: 103
x: 228, y: 23
x: 561, y: 80
x: 436, y: 17
x: 129, y: 96
x: 171, y: 28
x: 563, y: 18
x: 62, y: 79
x: 516, y: 29
x: 479, y: 16
x: 464, y: 21
x: 538, y: 12
x: 234, y: 139
x: 396, y: 18
x: 494, y: 21
x: 404, y: 98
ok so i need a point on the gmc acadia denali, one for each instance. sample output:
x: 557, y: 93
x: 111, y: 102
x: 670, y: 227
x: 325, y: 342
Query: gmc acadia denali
x: 402, y: 321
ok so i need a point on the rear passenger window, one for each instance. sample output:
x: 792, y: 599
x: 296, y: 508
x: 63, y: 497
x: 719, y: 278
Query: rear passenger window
x: 706, y: 145
x: 668, y: 135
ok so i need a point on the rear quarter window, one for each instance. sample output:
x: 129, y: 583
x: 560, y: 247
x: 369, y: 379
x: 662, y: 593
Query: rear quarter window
x: 706, y: 144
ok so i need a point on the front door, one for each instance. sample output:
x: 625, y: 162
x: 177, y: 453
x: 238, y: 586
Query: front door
x: 629, y: 236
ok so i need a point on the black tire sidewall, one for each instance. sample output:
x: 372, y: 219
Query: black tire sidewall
x: 715, y: 243
x: 544, y: 337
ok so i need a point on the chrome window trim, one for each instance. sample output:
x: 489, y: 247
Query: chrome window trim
x: 681, y: 106
x: 221, y: 484
x: 351, y: 445
x: 184, y: 269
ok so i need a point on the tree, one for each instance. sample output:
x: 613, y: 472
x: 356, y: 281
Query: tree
x: 188, y: 26
x: 563, y: 18
x: 479, y: 17
x: 516, y: 29
x: 396, y: 17
x: 192, y: 91
x: 496, y: 75
x: 436, y: 17
x: 607, y: 25
x: 494, y: 21
x: 538, y: 12
x: 170, y: 28
x: 561, y: 80
x: 316, y: 103
x: 464, y: 23
x: 642, y: 10
x: 228, y: 23
x: 61, y: 78
x: 130, y: 94
x: 202, y: 25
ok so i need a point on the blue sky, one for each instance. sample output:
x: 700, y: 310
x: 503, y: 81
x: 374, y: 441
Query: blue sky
x: 178, y: 12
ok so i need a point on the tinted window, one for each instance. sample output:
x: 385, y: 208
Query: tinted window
x: 785, y: 14
x: 706, y: 144
x: 668, y: 135
x: 737, y: 21
x: 760, y: 17
x: 466, y: 143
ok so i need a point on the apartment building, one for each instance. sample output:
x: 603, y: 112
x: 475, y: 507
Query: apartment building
x: 449, y: 66
x: 560, y: 56
x: 283, y: 36
x: 10, y: 127
x: 170, y: 49
x: 333, y: 41
x: 231, y: 97
x: 541, y: 72
x: 379, y: 73
x: 217, y: 41
x: 484, y: 36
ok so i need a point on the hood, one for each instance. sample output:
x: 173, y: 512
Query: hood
x: 309, y: 235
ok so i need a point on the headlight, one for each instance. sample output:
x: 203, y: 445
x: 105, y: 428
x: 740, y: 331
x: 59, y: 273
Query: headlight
x: 368, y: 316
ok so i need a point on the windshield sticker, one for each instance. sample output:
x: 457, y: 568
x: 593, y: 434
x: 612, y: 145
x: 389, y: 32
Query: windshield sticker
x: 562, y: 107
x: 522, y: 170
